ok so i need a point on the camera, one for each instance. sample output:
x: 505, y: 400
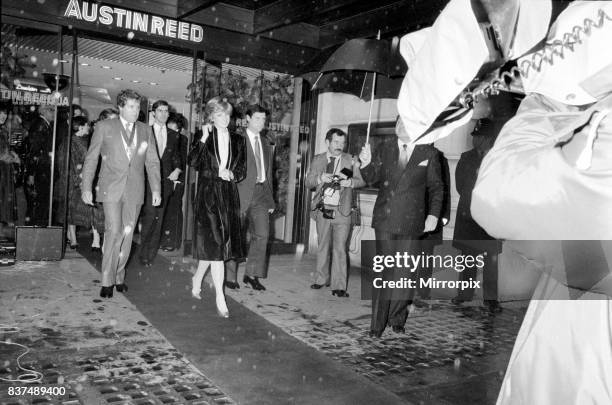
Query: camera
x: 327, y: 213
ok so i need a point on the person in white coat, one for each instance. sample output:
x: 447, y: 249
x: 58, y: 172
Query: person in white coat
x: 550, y: 170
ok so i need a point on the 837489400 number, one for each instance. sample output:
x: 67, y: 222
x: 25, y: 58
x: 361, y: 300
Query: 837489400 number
x: 37, y: 391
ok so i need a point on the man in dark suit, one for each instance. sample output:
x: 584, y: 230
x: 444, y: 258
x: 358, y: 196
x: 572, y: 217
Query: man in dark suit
x: 167, y: 144
x: 408, y: 205
x: 256, y: 202
x: 172, y: 228
x: 38, y: 146
x: 333, y: 205
x: 126, y: 147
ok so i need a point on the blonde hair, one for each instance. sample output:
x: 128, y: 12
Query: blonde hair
x: 214, y: 105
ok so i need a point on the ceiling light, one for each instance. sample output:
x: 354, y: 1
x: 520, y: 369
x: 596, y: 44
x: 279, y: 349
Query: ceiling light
x: 106, y: 67
x: 85, y: 64
x: 101, y: 91
x: 118, y: 78
x: 135, y: 81
x: 153, y: 83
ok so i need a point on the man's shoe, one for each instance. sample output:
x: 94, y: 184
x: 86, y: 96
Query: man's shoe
x: 232, y: 285
x: 106, y: 292
x: 340, y: 293
x: 375, y: 333
x: 121, y: 287
x: 96, y: 249
x: 398, y: 329
x: 316, y: 286
x: 254, y: 283
x: 168, y: 249
x: 145, y: 262
x: 493, y: 306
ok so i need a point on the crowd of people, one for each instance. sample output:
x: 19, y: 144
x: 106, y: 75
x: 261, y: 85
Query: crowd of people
x: 26, y: 145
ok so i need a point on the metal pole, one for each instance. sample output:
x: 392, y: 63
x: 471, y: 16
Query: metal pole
x: 57, y: 77
x: 372, y: 100
x: 187, y: 193
x: 67, y: 148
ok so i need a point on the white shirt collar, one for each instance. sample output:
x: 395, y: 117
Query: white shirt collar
x: 252, y: 134
x: 123, y: 121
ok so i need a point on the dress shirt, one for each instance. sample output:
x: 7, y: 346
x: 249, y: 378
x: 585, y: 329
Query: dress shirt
x: 161, y: 136
x: 252, y: 136
x: 128, y: 128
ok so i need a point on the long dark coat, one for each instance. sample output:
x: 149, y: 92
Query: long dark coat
x: 217, y: 229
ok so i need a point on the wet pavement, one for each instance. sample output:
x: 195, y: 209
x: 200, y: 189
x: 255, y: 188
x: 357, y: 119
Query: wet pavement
x: 100, y: 351
x: 289, y: 344
x: 448, y: 355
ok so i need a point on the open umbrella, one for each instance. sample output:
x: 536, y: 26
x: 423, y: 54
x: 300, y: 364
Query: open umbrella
x: 365, y: 59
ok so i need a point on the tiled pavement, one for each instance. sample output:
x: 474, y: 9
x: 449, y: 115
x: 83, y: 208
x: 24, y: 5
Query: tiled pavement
x: 102, y: 352
x: 449, y: 355
x: 106, y: 352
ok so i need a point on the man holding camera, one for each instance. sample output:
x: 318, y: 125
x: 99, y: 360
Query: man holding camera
x: 334, y: 174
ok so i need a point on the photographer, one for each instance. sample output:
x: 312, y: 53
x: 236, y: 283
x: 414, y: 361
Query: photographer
x: 334, y: 174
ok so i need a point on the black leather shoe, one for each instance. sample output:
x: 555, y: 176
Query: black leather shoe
x: 254, y: 283
x: 106, y: 292
x: 232, y: 285
x: 316, y: 286
x: 74, y: 246
x: 398, y: 329
x: 121, y: 287
x: 493, y: 306
x: 340, y: 293
x: 96, y: 249
x: 375, y: 333
x: 168, y: 249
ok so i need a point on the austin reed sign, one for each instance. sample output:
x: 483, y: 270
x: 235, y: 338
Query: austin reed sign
x: 133, y: 20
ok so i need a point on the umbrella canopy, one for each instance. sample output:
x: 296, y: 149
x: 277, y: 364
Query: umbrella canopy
x: 359, y: 84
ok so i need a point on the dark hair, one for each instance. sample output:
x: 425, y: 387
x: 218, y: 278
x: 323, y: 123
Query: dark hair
x: 78, y: 122
x: 255, y: 108
x: 5, y: 108
x: 106, y: 113
x: 334, y: 131
x: 158, y: 103
x: 178, y: 119
x: 125, y: 95
x: 76, y: 107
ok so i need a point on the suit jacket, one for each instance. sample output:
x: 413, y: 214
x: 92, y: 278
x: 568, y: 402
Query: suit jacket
x: 437, y: 234
x: 169, y: 160
x: 318, y: 166
x: 121, y: 179
x: 405, y: 197
x: 246, y: 186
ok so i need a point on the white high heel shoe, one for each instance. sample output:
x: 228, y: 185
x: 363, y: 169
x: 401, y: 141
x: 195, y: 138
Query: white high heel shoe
x: 195, y: 289
x: 222, y: 310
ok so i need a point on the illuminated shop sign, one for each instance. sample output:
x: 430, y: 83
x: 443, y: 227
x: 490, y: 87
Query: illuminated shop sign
x: 33, y: 98
x: 133, y: 20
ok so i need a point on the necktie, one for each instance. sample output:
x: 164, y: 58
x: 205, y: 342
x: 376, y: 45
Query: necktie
x: 403, y: 157
x: 257, y: 152
x: 129, y: 138
x: 331, y: 165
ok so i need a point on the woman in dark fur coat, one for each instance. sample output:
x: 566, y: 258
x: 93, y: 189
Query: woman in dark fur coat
x: 220, y: 159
